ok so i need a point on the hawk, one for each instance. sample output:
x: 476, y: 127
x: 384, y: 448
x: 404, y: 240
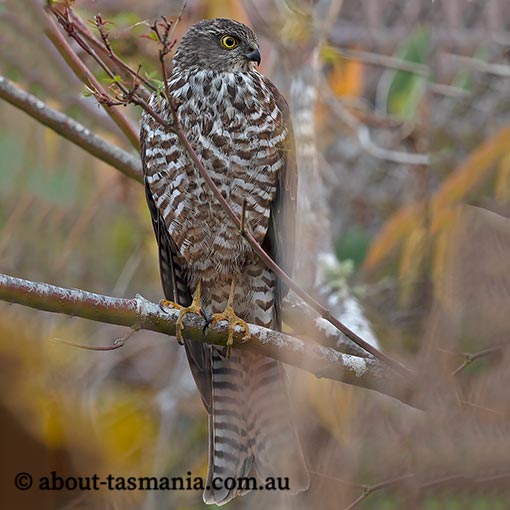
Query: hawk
x: 238, y: 123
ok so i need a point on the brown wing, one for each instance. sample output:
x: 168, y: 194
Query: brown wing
x: 280, y: 239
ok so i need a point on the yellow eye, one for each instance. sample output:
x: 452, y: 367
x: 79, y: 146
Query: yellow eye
x: 229, y: 42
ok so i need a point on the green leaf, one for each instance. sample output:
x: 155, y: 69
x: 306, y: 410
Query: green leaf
x: 407, y: 89
x: 87, y: 92
x: 353, y: 245
x: 464, y: 78
x: 115, y: 79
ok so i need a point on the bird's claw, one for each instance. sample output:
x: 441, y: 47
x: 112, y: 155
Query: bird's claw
x: 194, y: 307
x: 233, y: 320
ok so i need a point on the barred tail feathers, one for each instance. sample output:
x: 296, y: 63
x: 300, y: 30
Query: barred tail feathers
x: 250, y: 427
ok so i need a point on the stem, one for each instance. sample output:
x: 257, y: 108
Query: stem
x: 82, y: 72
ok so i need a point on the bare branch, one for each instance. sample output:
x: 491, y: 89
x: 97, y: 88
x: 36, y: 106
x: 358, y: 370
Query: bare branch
x: 82, y: 72
x: 71, y: 130
x: 480, y: 65
x: 138, y: 313
x: 419, y: 485
x: 105, y: 49
x: 385, y: 61
x: 473, y: 356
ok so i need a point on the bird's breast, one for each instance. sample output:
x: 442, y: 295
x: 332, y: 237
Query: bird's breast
x: 236, y: 129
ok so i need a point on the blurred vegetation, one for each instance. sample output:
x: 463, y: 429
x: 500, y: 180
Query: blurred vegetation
x: 426, y: 246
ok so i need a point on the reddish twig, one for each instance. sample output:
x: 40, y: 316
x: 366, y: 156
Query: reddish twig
x: 128, y: 94
x: 163, y: 30
x: 106, y: 47
x: 117, y: 343
x: 82, y: 72
x: 470, y: 357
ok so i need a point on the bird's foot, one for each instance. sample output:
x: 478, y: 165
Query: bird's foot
x: 233, y: 320
x: 194, y: 307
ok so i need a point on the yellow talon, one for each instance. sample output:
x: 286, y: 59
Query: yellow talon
x: 194, y: 307
x: 233, y: 320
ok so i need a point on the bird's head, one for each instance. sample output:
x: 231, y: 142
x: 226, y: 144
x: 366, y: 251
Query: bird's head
x: 218, y: 44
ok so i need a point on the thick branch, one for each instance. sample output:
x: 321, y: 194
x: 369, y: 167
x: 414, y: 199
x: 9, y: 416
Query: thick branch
x: 142, y: 314
x: 72, y: 130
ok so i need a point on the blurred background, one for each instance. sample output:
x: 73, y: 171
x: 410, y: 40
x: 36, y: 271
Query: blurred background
x: 401, y: 112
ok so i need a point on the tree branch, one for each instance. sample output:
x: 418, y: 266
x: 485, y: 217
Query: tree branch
x: 470, y: 357
x: 71, y: 130
x: 311, y: 325
x: 140, y: 313
x: 364, y: 136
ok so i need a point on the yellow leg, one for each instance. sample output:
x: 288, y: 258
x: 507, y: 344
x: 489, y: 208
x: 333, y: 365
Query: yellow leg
x: 233, y: 320
x: 193, y: 308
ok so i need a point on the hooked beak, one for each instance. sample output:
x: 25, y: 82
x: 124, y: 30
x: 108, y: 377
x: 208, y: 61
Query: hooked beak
x: 254, y: 56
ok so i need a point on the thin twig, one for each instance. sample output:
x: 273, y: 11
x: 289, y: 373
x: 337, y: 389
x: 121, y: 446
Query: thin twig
x: 163, y: 52
x: 472, y: 356
x: 443, y: 481
x: 87, y: 77
x: 502, y: 70
x: 129, y: 95
x: 117, y: 343
x: 486, y: 410
x: 448, y: 90
x: 384, y: 61
x: 64, y: 18
x: 99, y: 23
x: 243, y: 216
x: 336, y: 479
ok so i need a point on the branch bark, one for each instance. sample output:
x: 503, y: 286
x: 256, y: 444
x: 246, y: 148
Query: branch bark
x: 71, y: 130
x: 139, y: 313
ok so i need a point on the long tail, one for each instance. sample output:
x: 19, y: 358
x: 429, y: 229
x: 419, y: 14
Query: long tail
x: 251, y: 433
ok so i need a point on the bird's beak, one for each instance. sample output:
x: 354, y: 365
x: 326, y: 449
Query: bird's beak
x: 254, y: 56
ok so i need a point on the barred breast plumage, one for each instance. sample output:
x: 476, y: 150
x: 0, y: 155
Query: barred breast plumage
x: 235, y: 126
x: 238, y: 124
